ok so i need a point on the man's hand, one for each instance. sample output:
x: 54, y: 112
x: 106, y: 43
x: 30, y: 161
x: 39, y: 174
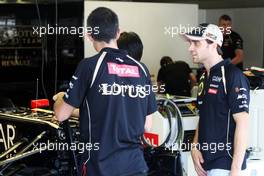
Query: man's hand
x: 240, y: 142
x: 58, y: 96
x: 235, y: 172
x: 62, y: 110
x: 197, y: 160
x: 239, y: 57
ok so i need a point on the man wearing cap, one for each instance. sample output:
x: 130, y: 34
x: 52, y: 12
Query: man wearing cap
x: 220, y: 140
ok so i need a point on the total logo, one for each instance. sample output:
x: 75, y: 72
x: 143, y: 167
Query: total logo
x: 123, y: 70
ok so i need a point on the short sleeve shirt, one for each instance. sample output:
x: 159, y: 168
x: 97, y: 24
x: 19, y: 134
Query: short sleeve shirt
x: 214, y: 107
x: 113, y: 106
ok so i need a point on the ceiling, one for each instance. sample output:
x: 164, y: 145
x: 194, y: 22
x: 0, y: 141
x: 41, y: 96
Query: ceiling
x: 35, y: 1
x: 203, y: 4
x: 215, y: 4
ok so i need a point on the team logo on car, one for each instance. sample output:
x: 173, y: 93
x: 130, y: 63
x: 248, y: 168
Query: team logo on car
x: 8, y: 135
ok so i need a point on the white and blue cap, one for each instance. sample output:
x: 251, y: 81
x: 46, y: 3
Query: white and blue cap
x: 206, y: 31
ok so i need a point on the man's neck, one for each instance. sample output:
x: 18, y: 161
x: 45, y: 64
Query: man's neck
x: 212, y: 61
x: 100, y: 45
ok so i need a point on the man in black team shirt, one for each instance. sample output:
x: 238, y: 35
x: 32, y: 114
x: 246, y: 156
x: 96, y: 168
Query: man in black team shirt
x: 232, y: 43
x: 177, y: 77
x: 113, y: 92
x: 220, y: 140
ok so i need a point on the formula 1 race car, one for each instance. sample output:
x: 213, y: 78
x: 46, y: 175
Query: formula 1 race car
x: 33, y: 143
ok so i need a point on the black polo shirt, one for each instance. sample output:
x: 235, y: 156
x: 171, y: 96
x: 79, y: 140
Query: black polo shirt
x: 113, y: 106
x: 214, y: 105
x: 176, y: 77
x: 231, y: 42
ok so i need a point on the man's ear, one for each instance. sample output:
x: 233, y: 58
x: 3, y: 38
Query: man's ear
x: 117, y: 34
x: 90, y: 37
x: 213, y: 46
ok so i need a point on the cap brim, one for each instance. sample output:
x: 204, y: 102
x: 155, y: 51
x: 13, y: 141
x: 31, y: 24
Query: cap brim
x: 188, y: 37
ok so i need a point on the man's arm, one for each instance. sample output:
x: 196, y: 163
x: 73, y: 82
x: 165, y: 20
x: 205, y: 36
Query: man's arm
x: 62, y: 110
x: 197, y: 155
x: 239, y: 57
x: 195, y: 138
x: 240, y: 142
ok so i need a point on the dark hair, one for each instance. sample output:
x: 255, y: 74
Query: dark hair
x: 165, y: 60
x: 218, y: 48
x: 225, y: 17
x: 107, y: 23
x: 132, y: 43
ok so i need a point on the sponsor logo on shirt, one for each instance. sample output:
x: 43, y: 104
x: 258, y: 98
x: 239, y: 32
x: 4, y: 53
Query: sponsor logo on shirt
x: 74, y: 77
x: 120, y: 60
x: 243, y: 89
x: 216, y: 79
x: 226, y: 44
x: 200, y: 88
x: 71, y: 85
x: 214, y: 85
x: 132, y: 91
x: 241, y: 96
x: 123, y: 70
x: 212, y: 91
x: 238, y: 42
x: 243, y: 106
x: 244, y: 102
x: 66, y: 94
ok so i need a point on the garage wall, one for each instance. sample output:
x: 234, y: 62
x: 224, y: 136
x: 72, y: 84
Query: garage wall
x: 149, y: 20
